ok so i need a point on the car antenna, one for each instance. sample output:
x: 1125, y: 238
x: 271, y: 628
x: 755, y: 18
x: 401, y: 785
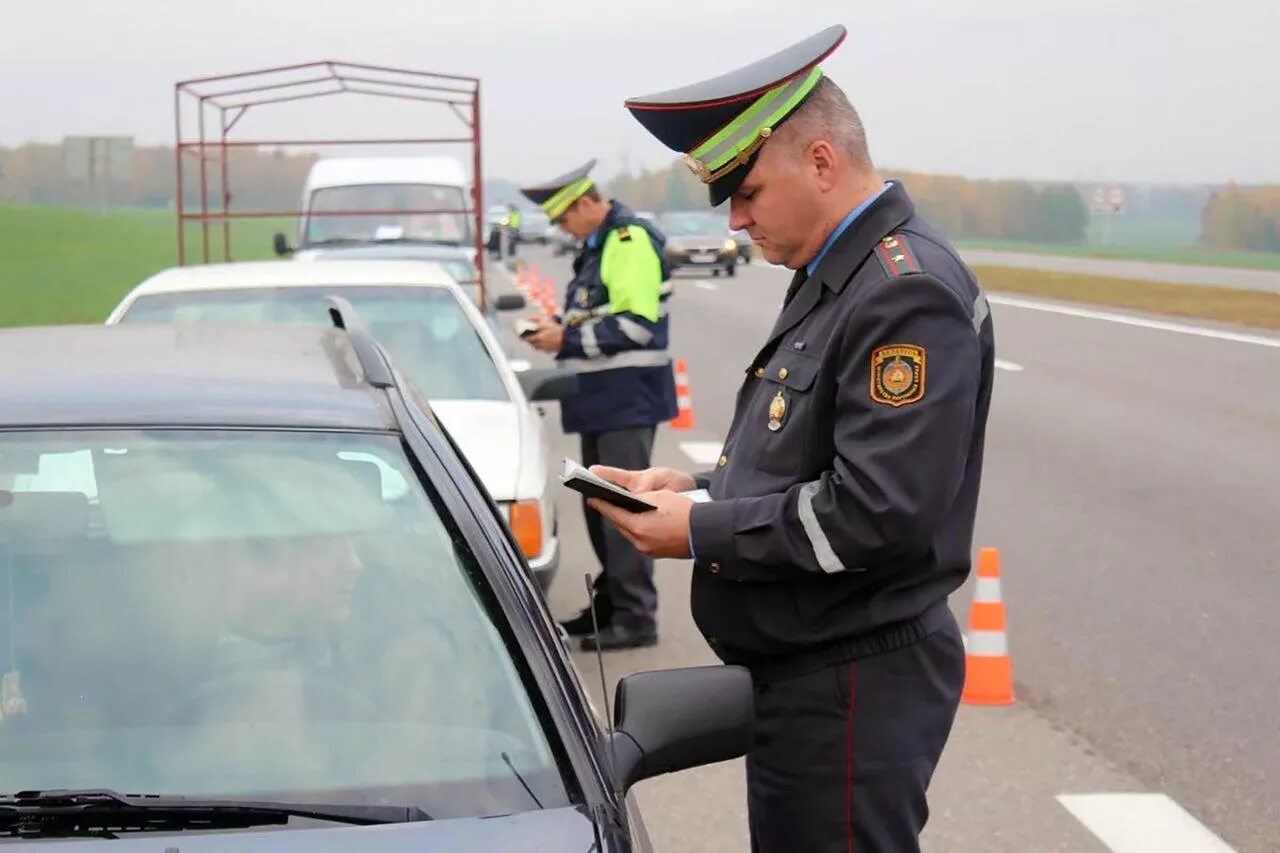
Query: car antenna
x: 528, y: 790
x: 604, y: 685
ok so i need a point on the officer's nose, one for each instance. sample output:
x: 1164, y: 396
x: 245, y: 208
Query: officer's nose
x: 739, y: 214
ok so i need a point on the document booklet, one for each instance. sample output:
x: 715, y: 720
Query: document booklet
x: 581, y: 480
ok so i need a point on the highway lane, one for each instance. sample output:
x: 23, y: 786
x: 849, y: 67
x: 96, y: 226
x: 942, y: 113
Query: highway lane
x: 1132, y: 487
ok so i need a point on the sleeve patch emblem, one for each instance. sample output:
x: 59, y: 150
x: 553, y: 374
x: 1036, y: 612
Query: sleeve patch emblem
x: 897, y: 374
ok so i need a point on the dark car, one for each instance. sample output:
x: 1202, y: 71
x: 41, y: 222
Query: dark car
x: 699, y: 239
x: 251, y: 583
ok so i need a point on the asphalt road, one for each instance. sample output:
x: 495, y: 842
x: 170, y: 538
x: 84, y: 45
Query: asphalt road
x: 1133, y: 487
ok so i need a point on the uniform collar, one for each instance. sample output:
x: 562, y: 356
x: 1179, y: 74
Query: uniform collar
x: 842, y: 227
x: 616, y: 209
x: 886, y: 213
x: 847, y: 253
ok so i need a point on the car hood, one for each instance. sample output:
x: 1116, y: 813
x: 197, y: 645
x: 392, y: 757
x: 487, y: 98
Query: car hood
x: 489, y: 433
x: 564, y: 830
x: 394, y: 251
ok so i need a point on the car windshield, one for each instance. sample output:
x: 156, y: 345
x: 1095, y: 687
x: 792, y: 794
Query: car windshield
x: 425, y: 329
x: 694, y: 225
x: 279, y: 614
x: 369, y: 213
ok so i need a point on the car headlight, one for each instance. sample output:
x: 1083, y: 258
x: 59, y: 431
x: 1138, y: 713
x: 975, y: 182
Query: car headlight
x: 731, y: 245
x: 525, y: 519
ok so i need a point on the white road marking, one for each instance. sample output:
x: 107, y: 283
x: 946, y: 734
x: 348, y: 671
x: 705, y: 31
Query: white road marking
x: 707, y: 285
x: 1012, y: 367
x: 1142, y: 823
x: 1125, y: 320
x: 702, y: 452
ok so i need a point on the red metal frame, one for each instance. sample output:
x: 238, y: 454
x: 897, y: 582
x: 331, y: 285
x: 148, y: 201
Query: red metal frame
x: 228, y: 97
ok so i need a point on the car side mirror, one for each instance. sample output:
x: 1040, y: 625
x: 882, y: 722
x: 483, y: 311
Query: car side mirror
x: 675, y: 719
x: 281, y: 245
x: 508, y: 302
x: 548, y: 384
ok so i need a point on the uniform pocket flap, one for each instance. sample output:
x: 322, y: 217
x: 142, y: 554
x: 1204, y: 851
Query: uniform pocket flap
x: 793, y: 370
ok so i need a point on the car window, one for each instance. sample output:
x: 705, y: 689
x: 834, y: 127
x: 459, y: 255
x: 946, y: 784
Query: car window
x: 693, y: 225
x: 374, y: 212
x: 282, y: 614
x: 425, y: 329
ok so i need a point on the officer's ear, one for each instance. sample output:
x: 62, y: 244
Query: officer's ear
x: 824, y: 163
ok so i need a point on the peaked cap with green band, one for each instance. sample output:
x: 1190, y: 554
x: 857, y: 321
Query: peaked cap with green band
x: 555, y: 196
x: 720, y: 124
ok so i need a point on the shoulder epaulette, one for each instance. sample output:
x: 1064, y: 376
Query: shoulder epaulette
x: 896, y: 256
x: 624, y: 234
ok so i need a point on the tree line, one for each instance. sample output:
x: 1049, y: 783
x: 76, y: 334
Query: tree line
x: 259, y: 179
x: 987, y: 210
x: 1238, y: 218
x: 1234, y: 217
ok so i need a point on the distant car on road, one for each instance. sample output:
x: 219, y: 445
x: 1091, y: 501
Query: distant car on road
x: 535, y: 227
x: 699, y: 239
x: 434, y: 333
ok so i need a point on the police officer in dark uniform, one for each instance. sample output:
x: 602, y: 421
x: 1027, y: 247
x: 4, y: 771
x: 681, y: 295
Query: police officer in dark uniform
x: 613, y: 333
x: 843, y: 507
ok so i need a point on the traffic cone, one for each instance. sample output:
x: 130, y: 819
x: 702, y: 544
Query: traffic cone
x: 988, y: 677
x: 522, y: 277
x: 684, y: 401
x: 547, y: 297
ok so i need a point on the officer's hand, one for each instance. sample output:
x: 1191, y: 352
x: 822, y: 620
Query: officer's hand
x: 663, y: 532
x: 549, y: 338
x: 648, y: 480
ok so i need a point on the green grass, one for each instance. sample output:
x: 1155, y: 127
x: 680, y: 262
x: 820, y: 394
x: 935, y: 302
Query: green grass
x: 73, y: 266
x: 1184, y: 255
x: 1222, y: 304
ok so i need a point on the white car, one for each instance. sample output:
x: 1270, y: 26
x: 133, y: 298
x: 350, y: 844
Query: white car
x: 436, y: 337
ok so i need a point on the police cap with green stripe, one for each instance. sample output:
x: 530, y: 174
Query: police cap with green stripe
x: 720, y: 124
x: 556, y: 195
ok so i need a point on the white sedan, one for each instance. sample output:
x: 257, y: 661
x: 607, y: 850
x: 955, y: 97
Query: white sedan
x: 437, y: 338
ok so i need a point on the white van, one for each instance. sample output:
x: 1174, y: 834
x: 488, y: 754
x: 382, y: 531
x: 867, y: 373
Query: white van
x: 345, y: 214
x: 343, y: 196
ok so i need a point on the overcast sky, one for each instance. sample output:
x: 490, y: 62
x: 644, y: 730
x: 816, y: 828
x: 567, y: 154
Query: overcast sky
x: 1146, y: 90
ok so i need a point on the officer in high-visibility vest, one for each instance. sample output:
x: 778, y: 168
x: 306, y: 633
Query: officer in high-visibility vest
x: 513, y: 228
x: 843, y: 503
x: 613, y: 333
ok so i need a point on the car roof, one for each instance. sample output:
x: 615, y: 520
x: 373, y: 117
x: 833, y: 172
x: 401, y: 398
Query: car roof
x: 198, y: 374
x: 252, y: 274
x: 350, y: 171
x: 390, y: 250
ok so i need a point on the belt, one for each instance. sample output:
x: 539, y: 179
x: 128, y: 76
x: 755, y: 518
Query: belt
x: 878, y: 641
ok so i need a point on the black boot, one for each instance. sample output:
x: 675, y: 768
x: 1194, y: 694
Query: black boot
x: 618, y: 637
x: 582, y: 624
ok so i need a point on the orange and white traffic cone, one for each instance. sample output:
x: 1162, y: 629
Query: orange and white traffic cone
x: 988, y: 677
x: 522, y: 277
x: 684, y: 400
x: 547, y: 297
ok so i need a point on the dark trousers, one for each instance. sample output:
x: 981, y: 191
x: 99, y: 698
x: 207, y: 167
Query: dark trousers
x: 843, y: 756
x: 624, y: 590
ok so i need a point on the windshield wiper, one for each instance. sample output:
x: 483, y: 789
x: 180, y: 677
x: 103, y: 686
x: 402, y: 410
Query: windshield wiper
x: 333, y: 241
x: 102, y: 812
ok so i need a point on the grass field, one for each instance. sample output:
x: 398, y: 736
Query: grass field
x: 66, y: 266
x: 1187, y: 255
x: 71, y: 266
x: 1221, y: 304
